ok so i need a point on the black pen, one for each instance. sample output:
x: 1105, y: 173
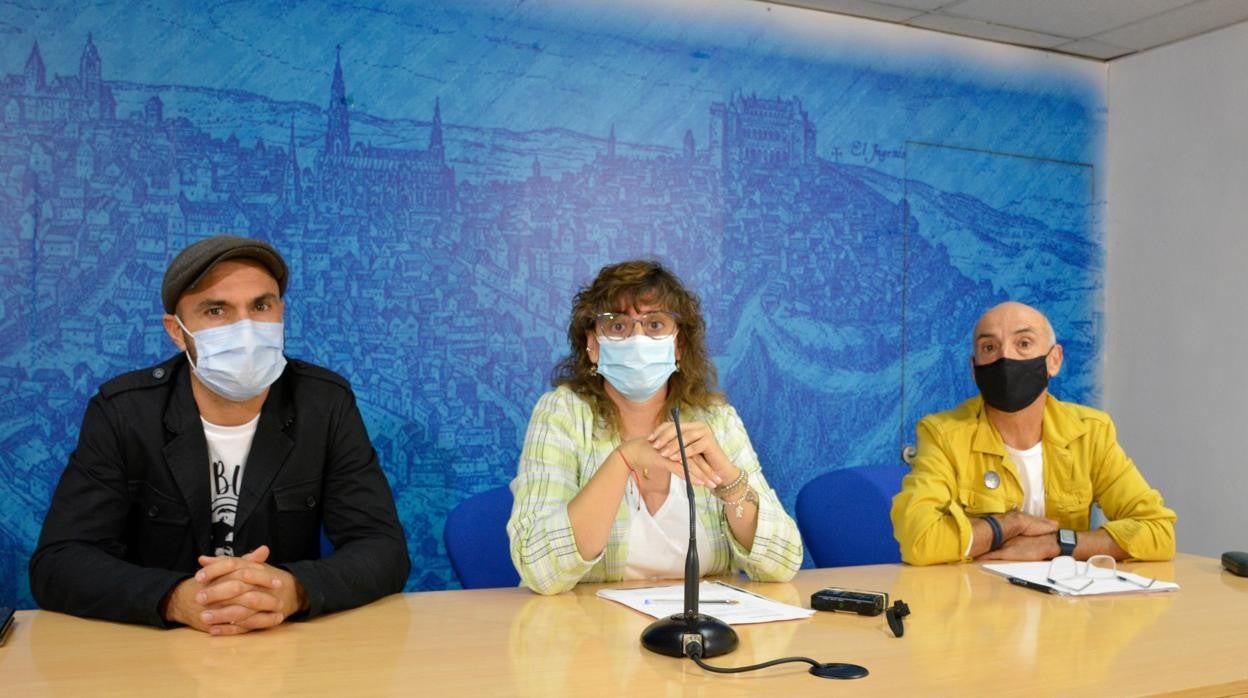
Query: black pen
x: 1032, y: 585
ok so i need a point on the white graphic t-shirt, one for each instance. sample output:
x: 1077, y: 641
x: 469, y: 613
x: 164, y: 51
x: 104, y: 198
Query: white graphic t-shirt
x: 227, y: 456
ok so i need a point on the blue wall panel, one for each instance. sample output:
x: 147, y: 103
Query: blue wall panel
x: 443, y: 176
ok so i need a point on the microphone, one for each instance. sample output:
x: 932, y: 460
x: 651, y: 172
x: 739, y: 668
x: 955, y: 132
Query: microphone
x: 672, y: 635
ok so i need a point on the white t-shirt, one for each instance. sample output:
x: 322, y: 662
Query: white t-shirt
x: 657, y: 543
x: 1030, y: 464
x: 227, y: 456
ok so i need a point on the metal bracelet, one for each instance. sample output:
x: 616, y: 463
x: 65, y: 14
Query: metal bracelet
x: 750, y: 496
x: 723, y: 491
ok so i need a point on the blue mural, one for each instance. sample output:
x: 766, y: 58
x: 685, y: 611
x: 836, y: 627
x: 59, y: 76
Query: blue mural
x: 442, y: 177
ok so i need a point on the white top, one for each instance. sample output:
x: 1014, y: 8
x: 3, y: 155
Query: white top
x: 227, y: 456
x: 1030, y: 464
x: 657, y: 543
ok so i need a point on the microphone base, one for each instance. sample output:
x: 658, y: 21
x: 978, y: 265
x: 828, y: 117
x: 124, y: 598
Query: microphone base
x: 667, y: 635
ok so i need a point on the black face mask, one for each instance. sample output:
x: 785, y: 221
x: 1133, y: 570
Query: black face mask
x: 1010, y: 385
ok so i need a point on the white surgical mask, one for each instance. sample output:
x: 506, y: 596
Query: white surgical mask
x: 637, y: 366
x: 240, y: 360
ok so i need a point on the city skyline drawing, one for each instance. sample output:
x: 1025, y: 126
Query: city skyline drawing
x: 434, y: 252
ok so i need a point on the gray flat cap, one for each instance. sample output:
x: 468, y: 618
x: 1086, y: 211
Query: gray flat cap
x: 191, y: 264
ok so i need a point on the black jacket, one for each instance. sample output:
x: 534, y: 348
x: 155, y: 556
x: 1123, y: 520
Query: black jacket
x: 132, y: 510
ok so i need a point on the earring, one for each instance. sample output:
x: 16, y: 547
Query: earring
x: 677, y: 367
x: 593, y: 369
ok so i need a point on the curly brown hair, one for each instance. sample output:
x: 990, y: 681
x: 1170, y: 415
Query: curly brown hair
x: 627, y: 285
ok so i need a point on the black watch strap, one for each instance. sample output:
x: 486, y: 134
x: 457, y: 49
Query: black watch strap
x: 997, y: 534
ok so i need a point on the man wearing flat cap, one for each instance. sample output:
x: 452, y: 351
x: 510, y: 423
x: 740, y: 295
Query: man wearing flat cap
x: 200, y: 487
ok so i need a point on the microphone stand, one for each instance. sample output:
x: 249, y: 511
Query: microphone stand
x: 671, y: 635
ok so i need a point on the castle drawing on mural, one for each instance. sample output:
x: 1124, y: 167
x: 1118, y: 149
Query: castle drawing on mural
x: 433, y: 264
x: 205, y: 184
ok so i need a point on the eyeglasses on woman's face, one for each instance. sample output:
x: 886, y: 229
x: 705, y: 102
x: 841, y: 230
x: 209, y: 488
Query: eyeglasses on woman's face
x: 655, y: 324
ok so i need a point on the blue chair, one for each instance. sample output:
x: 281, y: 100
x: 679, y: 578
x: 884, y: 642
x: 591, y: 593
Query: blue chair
x: 843, y: 516
x: 476, y: 540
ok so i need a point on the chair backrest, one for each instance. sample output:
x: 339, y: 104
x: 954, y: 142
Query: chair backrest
x: 476, y: 540
x: 843, y: 516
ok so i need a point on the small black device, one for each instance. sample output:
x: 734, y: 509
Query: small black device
x: 894, y: 614
x: 864, y: 603
x: 1236, y: 562
x: 6, y: 622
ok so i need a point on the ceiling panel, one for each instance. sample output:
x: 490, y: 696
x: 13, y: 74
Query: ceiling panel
x: 1073, y: 18
x: 1179, y: 24
x: 1094, y: 29
x: 1091, y: 48
x: 924, y: 5
x: 984, y: 30
x: 857, y: 8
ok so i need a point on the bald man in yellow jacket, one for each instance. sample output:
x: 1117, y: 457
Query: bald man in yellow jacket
x: 1013, y: 474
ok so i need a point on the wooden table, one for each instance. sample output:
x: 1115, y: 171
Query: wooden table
x: 970, y: 633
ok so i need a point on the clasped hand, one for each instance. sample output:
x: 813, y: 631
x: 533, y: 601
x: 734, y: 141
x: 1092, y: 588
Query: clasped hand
x: 1030, y: 538
x: 235, y: 595
x: 708, y: 465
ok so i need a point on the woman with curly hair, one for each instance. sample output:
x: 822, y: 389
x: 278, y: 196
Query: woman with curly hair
x: 599, y: 494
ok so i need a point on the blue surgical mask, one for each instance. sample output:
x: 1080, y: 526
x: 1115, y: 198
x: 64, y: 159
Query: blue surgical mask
x: 240, y: 360
x: 637, y: 366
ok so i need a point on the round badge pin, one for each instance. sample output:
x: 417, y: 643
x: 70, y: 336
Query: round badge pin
x: 992, y: 480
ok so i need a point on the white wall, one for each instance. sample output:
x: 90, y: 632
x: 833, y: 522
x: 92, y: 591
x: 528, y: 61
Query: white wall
x: 1176, y: 359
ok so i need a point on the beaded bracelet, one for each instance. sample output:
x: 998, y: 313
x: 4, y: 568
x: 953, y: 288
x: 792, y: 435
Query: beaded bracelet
x: 724, y: 491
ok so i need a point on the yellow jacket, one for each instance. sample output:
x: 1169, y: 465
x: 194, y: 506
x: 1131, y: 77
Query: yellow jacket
x: 1083, y: 464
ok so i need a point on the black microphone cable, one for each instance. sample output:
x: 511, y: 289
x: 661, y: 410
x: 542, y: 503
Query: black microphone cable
x: 827, y: 670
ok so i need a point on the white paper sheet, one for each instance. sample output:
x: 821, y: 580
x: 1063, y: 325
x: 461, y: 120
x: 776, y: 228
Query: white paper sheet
x: 733, y: 605
x: 1037, y: 573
